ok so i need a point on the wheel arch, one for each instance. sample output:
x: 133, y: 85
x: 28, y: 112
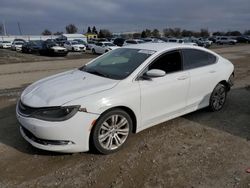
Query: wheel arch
x: 226, y: 84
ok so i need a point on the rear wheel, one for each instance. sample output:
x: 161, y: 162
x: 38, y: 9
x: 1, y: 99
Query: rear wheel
x: 111, y: 131
x: 218, y: 98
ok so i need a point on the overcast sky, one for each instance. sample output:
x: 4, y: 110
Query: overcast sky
x: 124, y: 15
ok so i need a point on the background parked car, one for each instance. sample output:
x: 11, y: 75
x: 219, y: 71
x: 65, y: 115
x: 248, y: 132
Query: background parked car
x: 17, y: 45
x: 74, y: 46
x: 51, y: 48
x: 81, y: 42
x: 32, y: 46
x: 103, y: 47
x: 133, y: 41
x: 225, y: 40
x: 90, y: 45
x: 5, y: 44
x: 243, y: 39
x: 119, y: 41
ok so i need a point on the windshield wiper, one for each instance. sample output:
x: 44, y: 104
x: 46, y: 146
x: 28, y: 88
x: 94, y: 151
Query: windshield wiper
x: 95, y: 72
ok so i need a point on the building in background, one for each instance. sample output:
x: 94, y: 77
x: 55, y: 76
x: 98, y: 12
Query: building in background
x: 73, y: 37
x: 26, y: 37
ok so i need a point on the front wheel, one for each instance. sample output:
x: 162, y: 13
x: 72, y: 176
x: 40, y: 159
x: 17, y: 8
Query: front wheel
x: 218, y: 98
x: 111, y: 131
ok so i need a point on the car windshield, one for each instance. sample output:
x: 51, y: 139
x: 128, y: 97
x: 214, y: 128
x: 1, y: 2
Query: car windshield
x: 118, y: 63
x: 74, y: 42
x: 109, y: 44
x: 6, y: 41
x: 18, y: 43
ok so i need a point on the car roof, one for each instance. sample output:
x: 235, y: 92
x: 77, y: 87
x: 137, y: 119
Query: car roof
x: 160, y: 46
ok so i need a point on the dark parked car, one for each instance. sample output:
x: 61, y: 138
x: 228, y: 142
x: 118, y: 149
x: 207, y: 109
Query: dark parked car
x: 243, y: 39
x: 51, y: 48
x: 119, y: 41
x: 32, y: 46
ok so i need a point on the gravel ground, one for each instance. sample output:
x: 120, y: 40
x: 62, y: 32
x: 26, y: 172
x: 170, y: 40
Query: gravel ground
x: 201, y: 149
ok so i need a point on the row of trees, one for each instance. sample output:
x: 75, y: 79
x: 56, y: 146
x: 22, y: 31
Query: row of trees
x: 167, y: 32
x: 71, y: 28
x: 178, y: 32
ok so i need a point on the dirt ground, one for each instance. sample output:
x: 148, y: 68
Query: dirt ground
x: 201, y: 149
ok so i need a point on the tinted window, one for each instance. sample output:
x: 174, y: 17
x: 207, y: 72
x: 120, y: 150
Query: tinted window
x: 197, y: 58
x: 169, y: 62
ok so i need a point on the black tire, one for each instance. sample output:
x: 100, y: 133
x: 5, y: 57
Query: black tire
x: 93, y: 51
x: 98, y: 132
x: 218, y: 98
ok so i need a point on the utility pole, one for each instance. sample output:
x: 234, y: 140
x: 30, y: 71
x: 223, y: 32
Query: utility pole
x: 19, y: 27
x: 4, y: 28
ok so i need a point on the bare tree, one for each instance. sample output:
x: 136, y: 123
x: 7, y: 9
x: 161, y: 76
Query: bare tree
x: 204, y: 33
x: 104, y: 33
x: 46, y: 32
x: 71, y: 28
x: 155, y: 33
x: 58, y: 33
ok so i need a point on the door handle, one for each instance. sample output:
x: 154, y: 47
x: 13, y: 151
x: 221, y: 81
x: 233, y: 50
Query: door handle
x: 212, y: 71
x: 182, y: 77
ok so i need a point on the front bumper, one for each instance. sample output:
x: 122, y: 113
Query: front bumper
x: 67, y: 136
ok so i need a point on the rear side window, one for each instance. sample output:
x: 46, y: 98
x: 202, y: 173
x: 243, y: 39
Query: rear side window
x: 196, y: 58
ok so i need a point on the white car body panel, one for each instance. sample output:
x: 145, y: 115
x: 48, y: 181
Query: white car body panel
x: 98, y: 94
x: 57, y: 48
x: 75, y: 47
x: 103, y: 49
x: 6, y: 45
x: 76, y: 81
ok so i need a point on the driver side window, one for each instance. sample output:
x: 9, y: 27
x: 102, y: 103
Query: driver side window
x: 168, y: 62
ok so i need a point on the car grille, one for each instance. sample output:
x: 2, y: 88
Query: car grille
x: 44, y: 141
x: 25, y: 110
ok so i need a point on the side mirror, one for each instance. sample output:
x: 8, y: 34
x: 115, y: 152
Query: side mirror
x: 154, y: 73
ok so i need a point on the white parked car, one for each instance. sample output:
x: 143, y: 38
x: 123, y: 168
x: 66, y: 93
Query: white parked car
x: 225, y: 40
x: 5, y: 44
x: 17, y: 45
x: 103, y: 47
x: 74, y: 46
x: 124, y: 91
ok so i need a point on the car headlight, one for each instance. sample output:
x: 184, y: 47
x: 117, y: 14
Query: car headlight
x: 56, y: 113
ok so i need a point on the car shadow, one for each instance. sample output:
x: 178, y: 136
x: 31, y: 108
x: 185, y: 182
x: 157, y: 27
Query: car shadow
x: 234, y: 119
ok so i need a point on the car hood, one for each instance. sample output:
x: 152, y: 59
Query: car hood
x: 113, y: 47
x: 78, y: 45
x: 64, y: 87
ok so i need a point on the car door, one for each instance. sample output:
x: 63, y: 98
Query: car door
x: 97, y: 47
x: 203, y: 76
x: 164, y: 97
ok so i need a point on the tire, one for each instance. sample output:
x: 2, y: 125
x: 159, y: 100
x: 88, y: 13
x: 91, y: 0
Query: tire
x: 218, y: 98
x: 93, y: 51
x: 105, y: 137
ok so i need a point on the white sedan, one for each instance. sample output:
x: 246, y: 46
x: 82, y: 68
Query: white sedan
x: 103, y: 47
x: 5, y: 44
x: 17, y: 45
x: 74, y: 46
x: 121, y: 92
